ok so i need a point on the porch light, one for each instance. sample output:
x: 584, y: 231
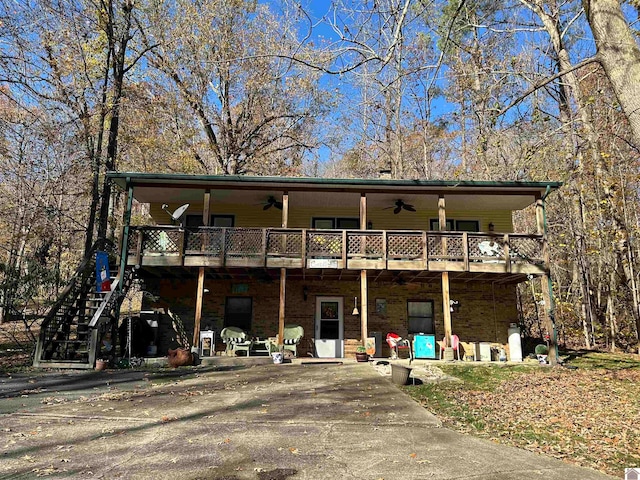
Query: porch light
x: 205, y: 290
x: 305, y: 292
x: 369, y: 225
x: 491, y: 226
x: 454, y: 306
x: 355, y: 307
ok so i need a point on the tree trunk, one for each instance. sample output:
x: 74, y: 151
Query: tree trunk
x: 619, y: 55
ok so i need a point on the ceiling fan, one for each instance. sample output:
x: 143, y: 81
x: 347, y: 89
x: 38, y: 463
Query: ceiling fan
x: 177, y: 214
x: 272, y: 202
x: 400, y: 205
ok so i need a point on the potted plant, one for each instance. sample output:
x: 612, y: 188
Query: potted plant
x: 276, y: 354
x: 361, y: 354
x: 102, y: 364
x: 541, y: 353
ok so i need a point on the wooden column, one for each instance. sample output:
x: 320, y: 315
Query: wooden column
x: 364, y: 292
x: 446, y: 305
x: 283, y: 273
x: 546, y: 287
x: 200, y: 287
x: 446, y: 311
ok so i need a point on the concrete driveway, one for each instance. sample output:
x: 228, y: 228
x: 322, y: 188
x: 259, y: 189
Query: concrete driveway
x: 298, y: 421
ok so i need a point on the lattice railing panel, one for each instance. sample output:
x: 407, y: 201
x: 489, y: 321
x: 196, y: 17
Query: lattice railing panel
x: 324, y: 244
x: 162, y: 241
x: 244, y: 242
x: 284, y: 244
x: 132, y: 243
x: 445, y: 247
x: 483, y: 246
x: 367, y: 245
x: 205, y: 241
x: 404, y: 245
x: 526, y: 250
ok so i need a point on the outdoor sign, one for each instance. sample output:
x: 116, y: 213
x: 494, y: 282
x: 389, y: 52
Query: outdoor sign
x: 103, y: 278
x: 322, y: 263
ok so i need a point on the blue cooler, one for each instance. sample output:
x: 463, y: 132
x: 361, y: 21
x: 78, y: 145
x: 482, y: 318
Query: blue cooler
x: 424, y: 346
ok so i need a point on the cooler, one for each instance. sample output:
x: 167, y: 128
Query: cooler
x: 424, y: 346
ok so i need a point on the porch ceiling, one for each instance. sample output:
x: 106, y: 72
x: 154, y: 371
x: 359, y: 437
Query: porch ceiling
x: 319, y: 200
x: 321, y: 192
x: 393, y: 278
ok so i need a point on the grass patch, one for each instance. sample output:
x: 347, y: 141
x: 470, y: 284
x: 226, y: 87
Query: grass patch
x: 602, y: 360
x: 587, y: 415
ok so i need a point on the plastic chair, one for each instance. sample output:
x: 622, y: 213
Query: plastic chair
x: 235, y: 340
x: 397, y: 343
x: 455, y: 344
x: 292, y: 336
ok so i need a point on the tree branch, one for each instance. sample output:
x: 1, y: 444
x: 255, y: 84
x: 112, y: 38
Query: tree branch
x: 546, y: 81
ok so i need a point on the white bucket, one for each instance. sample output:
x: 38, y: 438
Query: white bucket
x: 277, y: 357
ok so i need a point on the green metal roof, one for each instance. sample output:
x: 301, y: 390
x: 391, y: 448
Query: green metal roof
x: 139, y: 178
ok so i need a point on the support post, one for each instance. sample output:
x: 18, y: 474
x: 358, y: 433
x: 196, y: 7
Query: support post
x: 364, y: 291
x: 364, y: 315
x: 446, y: 305
x: 548, y: 312
x: 200, y: 287
x: 283, y: 274
x: 283, y: 289
x: 446, y: 311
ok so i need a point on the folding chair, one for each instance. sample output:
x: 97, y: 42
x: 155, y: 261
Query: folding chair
x: 397, y: 343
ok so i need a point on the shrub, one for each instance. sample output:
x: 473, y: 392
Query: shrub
x: 541, y: 349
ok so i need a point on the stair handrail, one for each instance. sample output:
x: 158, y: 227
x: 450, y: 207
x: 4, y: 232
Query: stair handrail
x: 79, y: 276
x: 112, y: 296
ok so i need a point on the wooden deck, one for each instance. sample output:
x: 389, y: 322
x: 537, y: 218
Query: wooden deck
x: 337, y: 249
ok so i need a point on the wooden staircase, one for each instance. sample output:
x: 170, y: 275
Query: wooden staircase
x: 69, y: 333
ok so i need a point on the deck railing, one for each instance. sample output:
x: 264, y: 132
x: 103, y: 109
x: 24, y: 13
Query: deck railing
x: 351, y: 249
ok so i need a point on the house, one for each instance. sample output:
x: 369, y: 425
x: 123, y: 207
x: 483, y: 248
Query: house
x: 411, y: 256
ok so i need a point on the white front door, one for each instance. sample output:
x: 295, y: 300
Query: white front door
x: 329, y: 333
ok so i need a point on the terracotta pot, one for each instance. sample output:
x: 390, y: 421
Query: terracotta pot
x: 101, y: 364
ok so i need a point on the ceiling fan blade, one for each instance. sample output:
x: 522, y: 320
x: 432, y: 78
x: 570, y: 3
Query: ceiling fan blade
x: 278, y: 205
x: 411, y: 208
x: 267, y: 206
x: 397, y: 209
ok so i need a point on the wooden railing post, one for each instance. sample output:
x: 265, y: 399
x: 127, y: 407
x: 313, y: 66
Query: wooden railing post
x: 384, y: 249
x: 507, y: 253
x: 344, y: 248
x: 140, y: 232
x: 223, y: 246
x: 465, y: 247
x: 303, y: 248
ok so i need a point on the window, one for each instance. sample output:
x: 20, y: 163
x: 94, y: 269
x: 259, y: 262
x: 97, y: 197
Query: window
x: 420, y: 316
x: 467, y: 226
x: 434, y: 224
x: 456, y: 225
x: 329, y: 223
x: 238, y: 312
x: 194, y: 221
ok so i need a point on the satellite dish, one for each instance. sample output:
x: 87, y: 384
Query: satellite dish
x: 179, y: 212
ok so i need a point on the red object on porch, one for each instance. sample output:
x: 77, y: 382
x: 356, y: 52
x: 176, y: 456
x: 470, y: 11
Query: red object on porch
x: 455, y: 344
x: 396, y: 342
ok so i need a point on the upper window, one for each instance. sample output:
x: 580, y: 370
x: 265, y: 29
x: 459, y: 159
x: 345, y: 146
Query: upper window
x: 456, y: 225
x: 329, y: 223
x: 216, y: 221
